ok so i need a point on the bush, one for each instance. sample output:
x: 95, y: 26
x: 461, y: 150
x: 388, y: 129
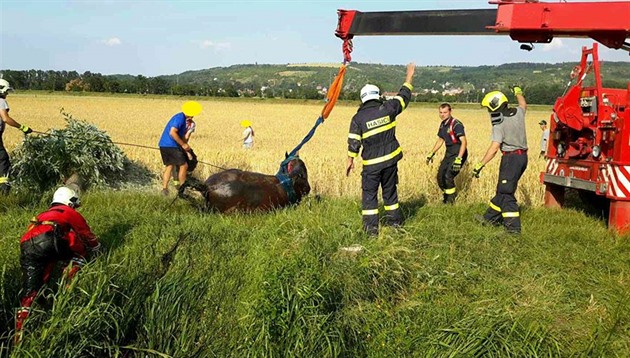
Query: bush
x: 43, y: 161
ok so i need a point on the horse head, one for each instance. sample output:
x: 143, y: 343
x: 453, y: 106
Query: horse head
x: 294, y: 168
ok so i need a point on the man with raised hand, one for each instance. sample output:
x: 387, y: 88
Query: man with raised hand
x: 373, y: 127
x: 509, y: 136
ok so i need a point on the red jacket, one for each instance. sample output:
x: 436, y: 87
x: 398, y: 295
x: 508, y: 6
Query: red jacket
x: 71, y: 225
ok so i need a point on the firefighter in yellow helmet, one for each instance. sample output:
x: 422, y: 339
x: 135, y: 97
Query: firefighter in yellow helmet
x: 174, y: 148
x: 508, y: 136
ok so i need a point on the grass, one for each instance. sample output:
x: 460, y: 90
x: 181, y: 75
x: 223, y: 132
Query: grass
x: 305, y: 281
x: 175, y: 282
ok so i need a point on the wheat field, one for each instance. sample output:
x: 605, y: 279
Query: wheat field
x: 279, y: 126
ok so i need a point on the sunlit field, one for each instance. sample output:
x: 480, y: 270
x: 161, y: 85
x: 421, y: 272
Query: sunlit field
x: 279, y: 127
x: 306, y: 281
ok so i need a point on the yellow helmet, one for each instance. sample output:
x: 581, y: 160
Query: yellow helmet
x: 191, y: 108
x: 245, y: 123
x: 494, y: 100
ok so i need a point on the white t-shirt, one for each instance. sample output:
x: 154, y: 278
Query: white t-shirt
x: 543, y: 140
x: 3, y: 105
x: 248, y: 135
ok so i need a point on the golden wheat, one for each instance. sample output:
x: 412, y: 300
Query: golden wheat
x: 279, y: 127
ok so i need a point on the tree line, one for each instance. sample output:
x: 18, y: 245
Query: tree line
x: 541, y: 84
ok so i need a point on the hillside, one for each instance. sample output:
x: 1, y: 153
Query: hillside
x: 388, y: 77
x: 543, y: 82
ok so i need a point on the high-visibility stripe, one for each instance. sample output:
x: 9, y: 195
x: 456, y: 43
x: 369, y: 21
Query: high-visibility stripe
x: 402, y: 102
x: 392, y: 207
x: 408, y: 85
x: 370, y: 212
x: 4, y: 180
x: 352, y: 154
x: 450, y: 191
x: 383, y: 158
x: 354, y: 136
x: 511, y: 214
x: 378, y: 130
x: 494, y: 207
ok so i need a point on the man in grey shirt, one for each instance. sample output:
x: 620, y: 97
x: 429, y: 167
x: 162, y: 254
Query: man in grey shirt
x: 508, y: 135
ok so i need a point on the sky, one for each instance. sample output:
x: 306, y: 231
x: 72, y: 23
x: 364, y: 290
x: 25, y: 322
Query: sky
x: 154, y: 38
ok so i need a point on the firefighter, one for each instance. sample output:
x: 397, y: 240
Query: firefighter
x: 373, y: 127
x: 508, y: 135
x: 5, y: 164
x: 58, y: 234
x: 451, y: 134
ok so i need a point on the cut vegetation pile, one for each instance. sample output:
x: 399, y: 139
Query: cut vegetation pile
x: 45, y: 160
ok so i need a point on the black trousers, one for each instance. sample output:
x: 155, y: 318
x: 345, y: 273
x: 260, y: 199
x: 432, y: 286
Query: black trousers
x: 503, y: 206
x: 387, y: 179
x: 5, y: 165
x: 38, y: 257
x: 446, y: 175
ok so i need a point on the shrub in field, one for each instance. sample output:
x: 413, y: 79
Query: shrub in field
x: 45, y: 160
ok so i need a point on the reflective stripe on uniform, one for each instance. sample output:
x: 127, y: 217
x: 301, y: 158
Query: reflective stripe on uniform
x: 408, y: 85
x: 514, y: 214
x: 4, y: 180
x: 383, y: 158
x: 354, y: 136
x: 450, y: 191
x: 494, y: 207
x: 352, y: 154
x: 392, y: 207
x: 370, y: 212
x: 402, y: 102
x: 378, y: 130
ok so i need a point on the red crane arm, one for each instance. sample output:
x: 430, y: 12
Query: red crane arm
x: 524, y: 20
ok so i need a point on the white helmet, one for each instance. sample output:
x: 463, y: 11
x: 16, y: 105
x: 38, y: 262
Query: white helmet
x: 5, y: 86
x: 66, y: 196
x: 370, y: 92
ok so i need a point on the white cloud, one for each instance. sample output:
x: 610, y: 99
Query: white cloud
x: 114, y: 41
x: 555, y: 44
x: 218, y: 46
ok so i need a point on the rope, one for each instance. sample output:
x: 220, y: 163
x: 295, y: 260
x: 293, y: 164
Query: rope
x: 120, y: 143
x: 308, y: 137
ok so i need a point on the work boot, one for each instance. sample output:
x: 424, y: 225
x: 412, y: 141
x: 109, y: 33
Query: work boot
x: 20, y: 317
x: 372, y: 231
x: 164, y: 192
x: 485, y: 222
x: 449, y: 198
x: 4, y: 189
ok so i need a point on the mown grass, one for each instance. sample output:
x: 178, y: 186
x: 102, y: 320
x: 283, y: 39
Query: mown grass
x: 176, y: 282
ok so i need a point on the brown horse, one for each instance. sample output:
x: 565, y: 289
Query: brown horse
x: 237, y: 190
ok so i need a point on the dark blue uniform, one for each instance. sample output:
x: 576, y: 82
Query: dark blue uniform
x: 450, y: 131
x: 373, y: 127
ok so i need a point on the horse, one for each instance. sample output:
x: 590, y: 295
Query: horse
x: 236, y: 190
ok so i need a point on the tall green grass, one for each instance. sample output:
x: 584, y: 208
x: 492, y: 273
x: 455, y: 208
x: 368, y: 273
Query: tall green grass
x: 305, y: 281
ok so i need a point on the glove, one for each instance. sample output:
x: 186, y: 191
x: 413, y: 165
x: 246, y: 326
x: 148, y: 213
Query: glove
x: 25, y: 129
x: 430, y: 158
x: 517, y: 91
x: 457, y: 165
x: 477, y: 170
